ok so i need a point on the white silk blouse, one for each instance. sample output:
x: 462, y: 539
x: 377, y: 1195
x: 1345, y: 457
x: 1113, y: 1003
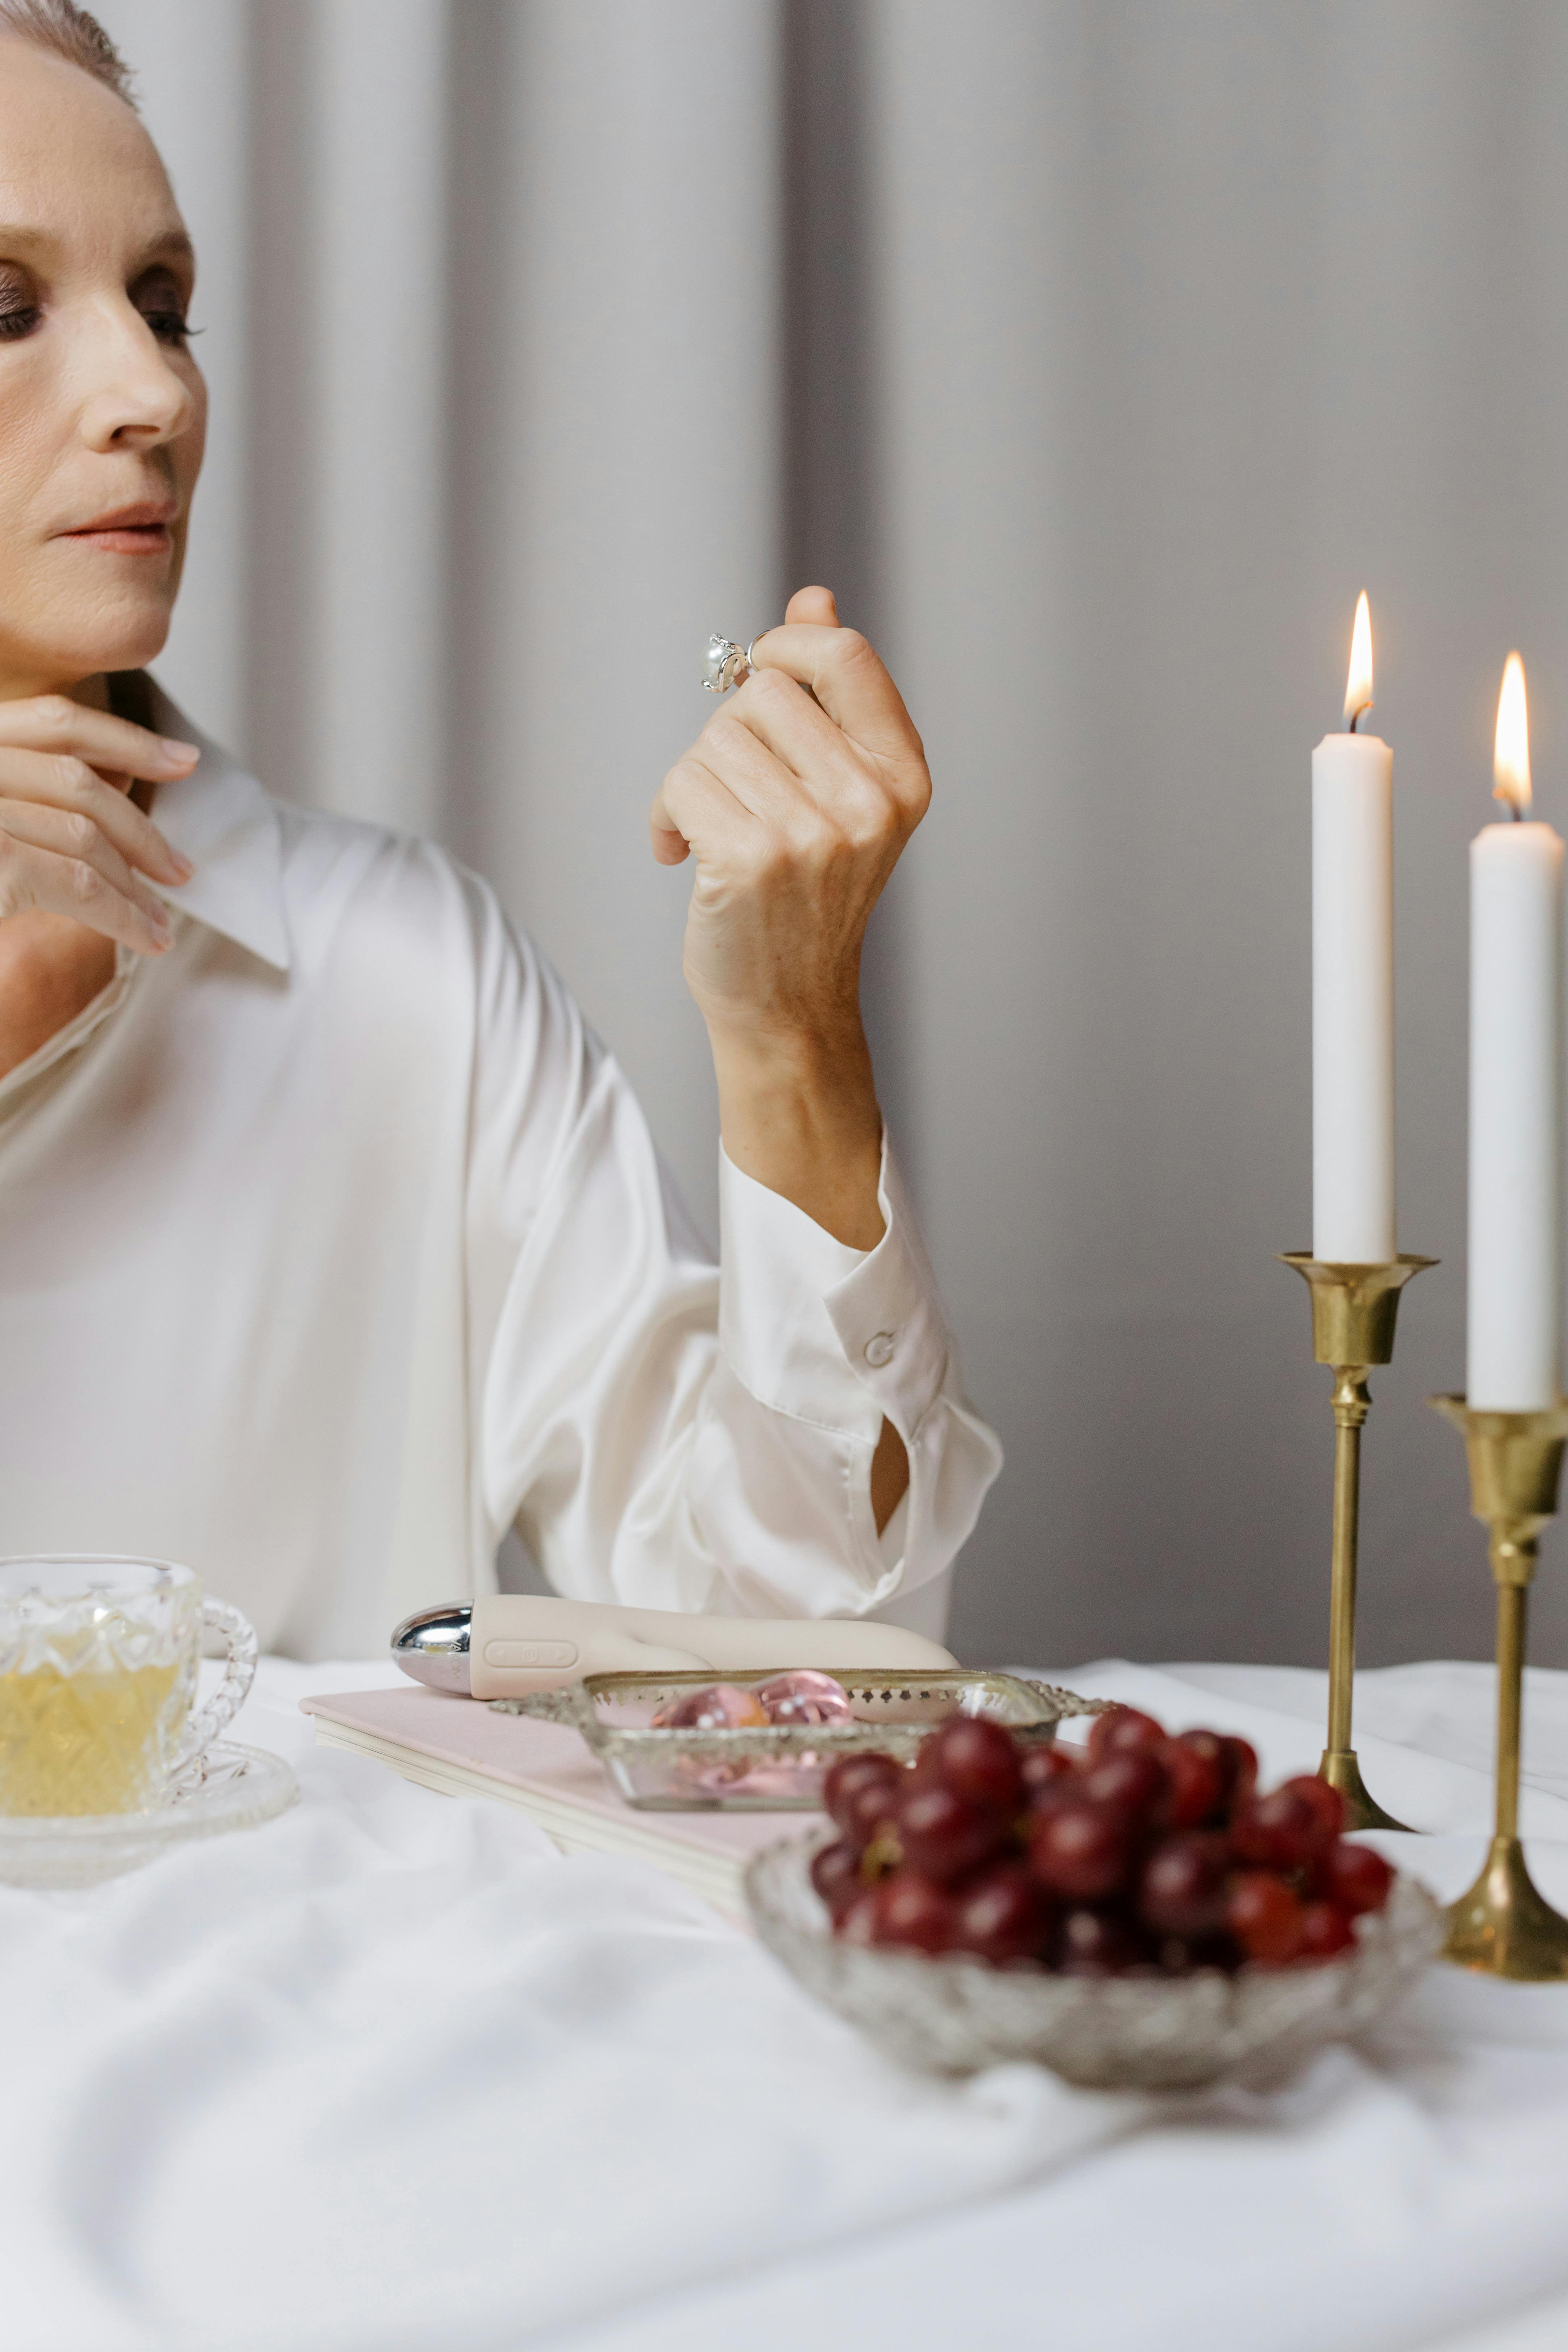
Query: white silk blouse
x: 333, y: 1243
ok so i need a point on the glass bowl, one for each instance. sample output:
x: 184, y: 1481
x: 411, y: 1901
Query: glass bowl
x: 956, y: 2016
x: 777, y: 1767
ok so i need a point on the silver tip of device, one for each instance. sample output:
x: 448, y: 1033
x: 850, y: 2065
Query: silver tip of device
x: 433, y: 1646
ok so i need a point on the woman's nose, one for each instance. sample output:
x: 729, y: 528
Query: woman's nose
x: 134, y: 399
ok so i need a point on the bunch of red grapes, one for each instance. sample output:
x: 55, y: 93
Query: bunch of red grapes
x: 1146, y: 1853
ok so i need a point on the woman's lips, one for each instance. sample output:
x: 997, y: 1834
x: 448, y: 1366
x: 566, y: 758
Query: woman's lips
x: 128, y: 531
x: 127, y: 538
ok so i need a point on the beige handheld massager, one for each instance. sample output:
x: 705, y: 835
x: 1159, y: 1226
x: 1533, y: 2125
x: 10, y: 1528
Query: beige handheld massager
x: 514, y: 1642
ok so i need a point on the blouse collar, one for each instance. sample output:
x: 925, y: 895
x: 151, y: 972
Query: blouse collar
x: 231, y: 831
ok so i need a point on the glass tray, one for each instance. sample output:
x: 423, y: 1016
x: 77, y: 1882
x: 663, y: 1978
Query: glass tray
x: 238, y: 1789
x: 778, y: 1768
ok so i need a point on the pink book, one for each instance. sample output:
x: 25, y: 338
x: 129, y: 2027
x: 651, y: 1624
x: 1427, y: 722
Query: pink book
x: 457, y: 1747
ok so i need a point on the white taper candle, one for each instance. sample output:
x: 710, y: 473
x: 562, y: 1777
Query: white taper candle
x: 1515, y: 1274
x: 1352, y: 984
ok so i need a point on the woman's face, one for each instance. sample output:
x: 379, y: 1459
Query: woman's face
x: 103, y: 409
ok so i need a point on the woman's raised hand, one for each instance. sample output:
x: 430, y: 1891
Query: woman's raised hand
x: 796, y: 799
x: 72, y: 841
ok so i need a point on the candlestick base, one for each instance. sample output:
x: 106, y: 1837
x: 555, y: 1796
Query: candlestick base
x: 1355, y: 1312
x: 1504, y: 1926
x: 1362, y: 1811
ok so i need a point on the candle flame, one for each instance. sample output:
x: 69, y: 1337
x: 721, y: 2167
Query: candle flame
x: 1510, y: 763
x: 1358, y: 687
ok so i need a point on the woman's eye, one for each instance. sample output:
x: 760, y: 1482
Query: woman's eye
x: 19, y: 312
x: 161, y: 298
x: 170, y: 326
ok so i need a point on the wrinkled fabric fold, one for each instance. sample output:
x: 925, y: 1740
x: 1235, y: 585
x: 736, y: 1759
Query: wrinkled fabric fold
x: 390, y: 2073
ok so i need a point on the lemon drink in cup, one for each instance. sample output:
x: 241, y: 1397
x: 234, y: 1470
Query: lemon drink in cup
x: 98, y: 1672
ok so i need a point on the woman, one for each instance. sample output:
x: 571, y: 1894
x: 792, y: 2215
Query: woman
x: 331, y: 1243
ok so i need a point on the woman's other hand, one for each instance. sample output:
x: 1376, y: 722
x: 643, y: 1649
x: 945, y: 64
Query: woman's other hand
x: 72, y: 841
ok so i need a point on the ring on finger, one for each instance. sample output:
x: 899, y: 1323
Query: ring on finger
x: 726, y: 664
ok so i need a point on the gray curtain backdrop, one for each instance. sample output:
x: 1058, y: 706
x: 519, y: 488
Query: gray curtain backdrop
x: 1097, y: 355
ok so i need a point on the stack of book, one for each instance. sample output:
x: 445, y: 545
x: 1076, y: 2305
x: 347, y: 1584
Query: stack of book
x: 458, y: 1748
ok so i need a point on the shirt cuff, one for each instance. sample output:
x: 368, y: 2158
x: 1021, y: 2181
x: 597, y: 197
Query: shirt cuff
x: 839, y: 1337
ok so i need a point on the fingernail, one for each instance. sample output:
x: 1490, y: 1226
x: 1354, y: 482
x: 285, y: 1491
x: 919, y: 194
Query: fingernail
x: 163, y: 928
x: 181, y: 863
x: 182, y: 754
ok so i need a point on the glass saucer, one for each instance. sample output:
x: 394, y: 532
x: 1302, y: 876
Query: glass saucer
x: 238, y: 1789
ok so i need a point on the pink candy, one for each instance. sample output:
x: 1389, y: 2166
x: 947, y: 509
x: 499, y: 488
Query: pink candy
x: 804, y: 1695
x: 721, y: 1708
x: 795, y: 1700
x: 801, y: 1697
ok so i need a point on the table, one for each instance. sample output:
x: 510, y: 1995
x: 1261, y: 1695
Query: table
x: 391, y: 2075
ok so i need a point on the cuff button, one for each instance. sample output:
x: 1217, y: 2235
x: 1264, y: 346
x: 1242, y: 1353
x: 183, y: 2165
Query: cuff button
x: 879, y: 1349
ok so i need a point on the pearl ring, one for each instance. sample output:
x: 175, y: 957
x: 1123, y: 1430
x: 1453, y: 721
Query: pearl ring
x: 726, y: 665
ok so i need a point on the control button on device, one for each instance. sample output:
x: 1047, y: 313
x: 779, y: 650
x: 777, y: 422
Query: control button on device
x: 879, y: 1349
x: 530, y: 1653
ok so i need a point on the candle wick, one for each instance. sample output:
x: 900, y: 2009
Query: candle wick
x: 1359, y: 712
x: 1516, y: 813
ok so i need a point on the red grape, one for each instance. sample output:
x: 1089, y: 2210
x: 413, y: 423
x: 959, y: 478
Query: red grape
x: 844, y: 1781
x: 1279, y: 1831
x: 873, y: 1812
x: 1356, y: 1877
x: 912, y: 1909
x: 868, y: 1814
x: 1133, y: 1782
x: 836, y: 1875
x: 1325, y: 1931
x: 1240, y: 1770
x: 1326, y: 1802
x: 1209, y: 1745
x: 1196, y: 1774
x: 1078, y: 1849
x: 977, y: 1760
x: 1123, y: 1727
x: 1264, y: 1915
x: 1003, y: 1915
x: 1181, y: 1891
x: 1046, y: 1767
x: 1097, y: 1944
x: 1066, y: 1789
x: 943, y: 1834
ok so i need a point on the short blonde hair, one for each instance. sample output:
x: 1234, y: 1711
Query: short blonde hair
x: 68, y: 32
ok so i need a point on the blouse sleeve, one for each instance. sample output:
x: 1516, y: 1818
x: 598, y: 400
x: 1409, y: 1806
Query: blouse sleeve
x: 670, y: 1433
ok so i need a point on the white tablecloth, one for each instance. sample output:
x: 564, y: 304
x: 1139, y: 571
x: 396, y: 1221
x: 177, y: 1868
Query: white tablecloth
x: 390, y: 2076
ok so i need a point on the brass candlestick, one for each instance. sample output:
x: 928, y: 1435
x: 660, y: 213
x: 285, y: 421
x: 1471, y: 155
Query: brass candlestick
x: 1503, y: 1924
x: 1354, y: 1310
